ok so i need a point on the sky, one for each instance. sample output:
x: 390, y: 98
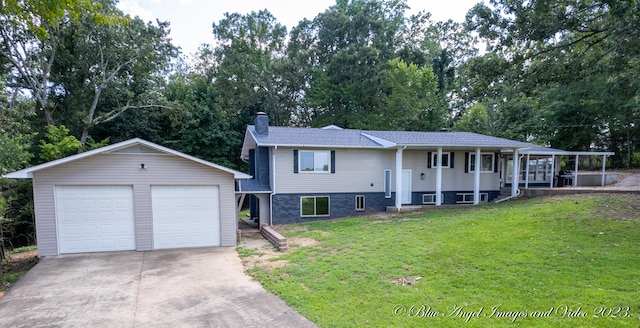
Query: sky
x: 191, y: 20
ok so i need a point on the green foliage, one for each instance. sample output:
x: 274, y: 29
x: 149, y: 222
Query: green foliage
x: 57, y: 143
x: 475, y: 119
x: 529, y: 255
x: 564, y: 72
x: 413, y: 102
x: 23, y: 249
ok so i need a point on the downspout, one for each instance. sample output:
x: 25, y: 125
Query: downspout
x: 604, y: 168
x: 553, y: 170
x: 273, y: 191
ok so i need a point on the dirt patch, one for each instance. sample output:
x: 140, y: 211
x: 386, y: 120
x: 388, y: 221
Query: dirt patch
x: 617, y: 208
x: 16, y: 264
x: 301, y: 242
x: 262, y: 254
x: 405, y: 281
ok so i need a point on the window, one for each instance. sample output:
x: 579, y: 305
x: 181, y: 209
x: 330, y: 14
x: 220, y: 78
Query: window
x: 314, y: 206
x: 359, y: 202
x: 445, y: 160
x: 387, y: 183
x: 486, y: 162
x: 430, y: 199
x: 315, y: 161
x: 467, y: 198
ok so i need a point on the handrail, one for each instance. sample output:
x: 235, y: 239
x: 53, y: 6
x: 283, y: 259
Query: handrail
x: 510, y: 197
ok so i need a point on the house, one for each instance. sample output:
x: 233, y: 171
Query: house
x: 133, y: 195
x: 303, y: 173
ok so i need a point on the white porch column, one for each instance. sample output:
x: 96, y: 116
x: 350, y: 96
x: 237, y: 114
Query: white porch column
x: 476, y: 178
x: 526, y: 173
x: 553, y: 170
x: 516, y: 172
x: 575, y: 173
x: 439, y: 176
x: 604, y: 167
x: 399, y: 178
x: 264, y: 209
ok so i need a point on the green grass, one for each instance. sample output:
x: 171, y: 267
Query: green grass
x: 23, y: 249
x: 541, y: 257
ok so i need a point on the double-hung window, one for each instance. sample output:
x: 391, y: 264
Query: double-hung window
x: 315, y: 161
x: 486, y: 162
x: 446, y: 157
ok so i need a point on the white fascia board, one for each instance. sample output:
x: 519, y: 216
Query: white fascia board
x: 383, y: 142
x: 28, y: 172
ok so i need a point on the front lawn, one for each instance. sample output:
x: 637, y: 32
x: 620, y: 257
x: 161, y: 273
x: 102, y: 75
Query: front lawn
x: 546, y: 262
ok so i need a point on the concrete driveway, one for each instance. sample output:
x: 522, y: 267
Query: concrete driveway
x: 203, y: 287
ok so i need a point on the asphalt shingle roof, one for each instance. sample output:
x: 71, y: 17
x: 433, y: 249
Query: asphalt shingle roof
x: 349, y: 138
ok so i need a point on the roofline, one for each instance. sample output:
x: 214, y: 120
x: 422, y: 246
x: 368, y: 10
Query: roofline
x: 390, y: 145
x: 567, y: 152
x: 28, y: 172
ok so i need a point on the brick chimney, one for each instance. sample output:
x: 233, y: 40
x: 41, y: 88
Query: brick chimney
x: 262, y: 124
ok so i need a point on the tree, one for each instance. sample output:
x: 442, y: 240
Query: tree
x: 15, y: 142
x: 29, y: 37
x: 204, y: 131
x: 413, y: 102
x: 353, y: 42
x: 475, y: 119
x: 249, y: 66
x: 100, y: 74
x: 577, y: 61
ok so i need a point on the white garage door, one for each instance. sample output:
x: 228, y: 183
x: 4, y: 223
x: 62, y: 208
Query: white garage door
x: 185, y: 216
x: 95, y: 218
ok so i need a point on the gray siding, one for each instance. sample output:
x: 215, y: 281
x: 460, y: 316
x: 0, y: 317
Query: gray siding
x: 123, y: 169
x: 358, y: 169
x: 453, y: 179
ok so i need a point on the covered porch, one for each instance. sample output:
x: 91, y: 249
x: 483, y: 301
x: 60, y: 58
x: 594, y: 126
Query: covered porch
x: 554, y: 168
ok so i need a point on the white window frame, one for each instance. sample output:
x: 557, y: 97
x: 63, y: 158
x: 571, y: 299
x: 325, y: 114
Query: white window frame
x: 363, y: 206
x: 467, y: 198
x: 387, y: 183
x: 434, y: 162
x: 300, y: 160
x: 472, y: 161
x: 432, y: 200
x: 315, y: 206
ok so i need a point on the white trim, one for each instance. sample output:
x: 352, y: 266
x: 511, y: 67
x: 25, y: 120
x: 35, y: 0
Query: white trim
x: 493, y: 162
x: 314, y: 151
x: 28, y: 172
x: 407, y: 188
x: 384, y: 182
x: 382, y: 142
x: 439, y: 174
x: 476, y: 173
x: 364, y: 206
x: 434, y: 200
x: 315, y: 208
x: 434, y: 156
x: 473, y: 199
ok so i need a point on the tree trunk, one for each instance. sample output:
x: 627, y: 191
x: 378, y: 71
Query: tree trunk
x: 89, y: 123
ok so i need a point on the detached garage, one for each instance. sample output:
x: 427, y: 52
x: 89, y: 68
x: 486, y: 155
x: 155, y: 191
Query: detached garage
x: 134, y: 195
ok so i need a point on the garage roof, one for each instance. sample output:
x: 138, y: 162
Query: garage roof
x: 28, y: 172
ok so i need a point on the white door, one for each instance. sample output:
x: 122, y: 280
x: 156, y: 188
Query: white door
x: 185, y: 216
x: 94, y: 218
x: 406, y: 186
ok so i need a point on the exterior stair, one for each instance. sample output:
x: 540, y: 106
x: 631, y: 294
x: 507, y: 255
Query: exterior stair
x: 505, y: 192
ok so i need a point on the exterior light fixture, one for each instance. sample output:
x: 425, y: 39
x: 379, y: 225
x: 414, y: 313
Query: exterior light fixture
x: 142, y: 166
x: 422, y: 176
